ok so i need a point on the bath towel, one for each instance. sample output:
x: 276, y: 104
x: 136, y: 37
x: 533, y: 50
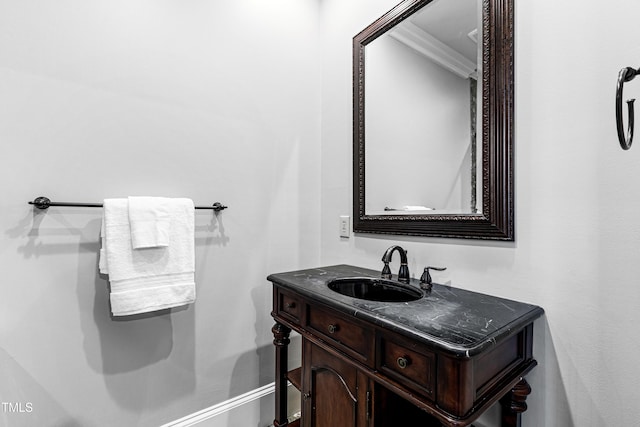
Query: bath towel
x: 150, y: 279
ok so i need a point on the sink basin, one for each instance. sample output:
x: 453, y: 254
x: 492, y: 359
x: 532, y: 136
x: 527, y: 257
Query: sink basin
x: 374, y: 289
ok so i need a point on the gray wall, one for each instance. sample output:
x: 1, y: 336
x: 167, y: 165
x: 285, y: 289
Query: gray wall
x: 577, y: 230
x: 229, y: 106
x: 212, y: 100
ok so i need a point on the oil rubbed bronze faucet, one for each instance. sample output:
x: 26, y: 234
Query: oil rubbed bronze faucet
x: 403, y: 273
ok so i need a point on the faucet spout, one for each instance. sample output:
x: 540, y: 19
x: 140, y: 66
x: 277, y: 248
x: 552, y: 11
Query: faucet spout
x: 403, y: 273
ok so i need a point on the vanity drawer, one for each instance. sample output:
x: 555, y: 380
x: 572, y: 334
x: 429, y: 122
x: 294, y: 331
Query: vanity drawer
x: 408, y: 364
x: 289, y: 306
x: 347, y: 334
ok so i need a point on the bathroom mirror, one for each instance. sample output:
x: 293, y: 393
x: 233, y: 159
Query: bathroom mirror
x: 433, y: 143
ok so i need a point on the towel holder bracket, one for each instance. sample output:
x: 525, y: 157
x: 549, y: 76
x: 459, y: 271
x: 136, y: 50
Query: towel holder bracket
x: 41, y: 202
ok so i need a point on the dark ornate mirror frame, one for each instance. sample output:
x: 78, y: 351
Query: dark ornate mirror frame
x: 496, y: 222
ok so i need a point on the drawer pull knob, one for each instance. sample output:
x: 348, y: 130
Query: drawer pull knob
x: 403, y: 362
x: 290, y: 305
x: 332, y: 328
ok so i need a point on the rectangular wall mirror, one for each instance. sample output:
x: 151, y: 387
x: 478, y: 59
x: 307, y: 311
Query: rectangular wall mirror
x: 433, y: 120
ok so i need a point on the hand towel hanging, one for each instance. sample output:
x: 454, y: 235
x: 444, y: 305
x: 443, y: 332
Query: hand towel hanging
x: 150, y: 279
x: 149, y: 221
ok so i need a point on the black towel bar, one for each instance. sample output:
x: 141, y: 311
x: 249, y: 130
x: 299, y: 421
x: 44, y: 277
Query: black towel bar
x: 45, y: 203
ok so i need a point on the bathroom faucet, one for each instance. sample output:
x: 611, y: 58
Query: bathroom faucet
x: 403, y: 273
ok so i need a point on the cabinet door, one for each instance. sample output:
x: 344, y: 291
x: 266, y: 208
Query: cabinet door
x: 335, y: 393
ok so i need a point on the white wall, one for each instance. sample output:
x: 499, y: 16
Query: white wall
x: 212, y: 100
x: 577, y: 244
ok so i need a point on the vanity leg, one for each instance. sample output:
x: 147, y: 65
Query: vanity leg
x: 514, y: 404
x: 281, y: 342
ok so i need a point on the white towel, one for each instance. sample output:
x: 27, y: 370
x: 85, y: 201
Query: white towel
x: 149, y: 221
x: 145, y: 280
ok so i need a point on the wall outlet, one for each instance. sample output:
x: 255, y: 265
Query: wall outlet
x: 345, y: 226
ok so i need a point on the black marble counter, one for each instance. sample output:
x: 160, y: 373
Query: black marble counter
x: 456, y: 321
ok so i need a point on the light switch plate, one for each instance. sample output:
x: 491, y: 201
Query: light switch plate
x: 345, y: 226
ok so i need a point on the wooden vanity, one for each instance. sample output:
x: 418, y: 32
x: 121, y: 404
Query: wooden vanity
x: 439, y: 361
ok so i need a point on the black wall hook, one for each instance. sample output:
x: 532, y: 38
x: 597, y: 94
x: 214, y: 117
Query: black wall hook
x: 626, y: 75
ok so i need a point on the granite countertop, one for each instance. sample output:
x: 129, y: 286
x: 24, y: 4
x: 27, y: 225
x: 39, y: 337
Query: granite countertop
x: 457, y: 321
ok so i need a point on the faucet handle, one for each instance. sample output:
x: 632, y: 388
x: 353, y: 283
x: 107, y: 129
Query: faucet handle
x: 425, y: 280
x: 386, y: 271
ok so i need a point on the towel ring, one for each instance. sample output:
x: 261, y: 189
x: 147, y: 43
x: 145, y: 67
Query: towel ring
x: 626, y: 75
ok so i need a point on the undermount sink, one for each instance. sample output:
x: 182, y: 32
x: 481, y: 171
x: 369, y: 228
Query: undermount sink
x: 374, y: 289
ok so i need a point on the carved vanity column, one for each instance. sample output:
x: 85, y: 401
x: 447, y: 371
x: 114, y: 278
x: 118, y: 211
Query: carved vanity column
x: 514, y: 404
x: 281, y: 342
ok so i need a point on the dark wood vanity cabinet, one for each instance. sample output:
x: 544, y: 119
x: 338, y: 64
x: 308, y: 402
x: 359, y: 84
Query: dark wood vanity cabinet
x: 335, y: 393
x: 363, y: 369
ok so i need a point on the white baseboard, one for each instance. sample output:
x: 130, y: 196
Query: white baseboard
x: 222, y: 407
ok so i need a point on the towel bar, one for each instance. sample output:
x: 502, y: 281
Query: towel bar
x: 44, y: 203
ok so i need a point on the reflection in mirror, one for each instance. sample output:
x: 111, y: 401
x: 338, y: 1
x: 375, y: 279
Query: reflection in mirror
x: 421, y: 112
x: 433, y: 144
